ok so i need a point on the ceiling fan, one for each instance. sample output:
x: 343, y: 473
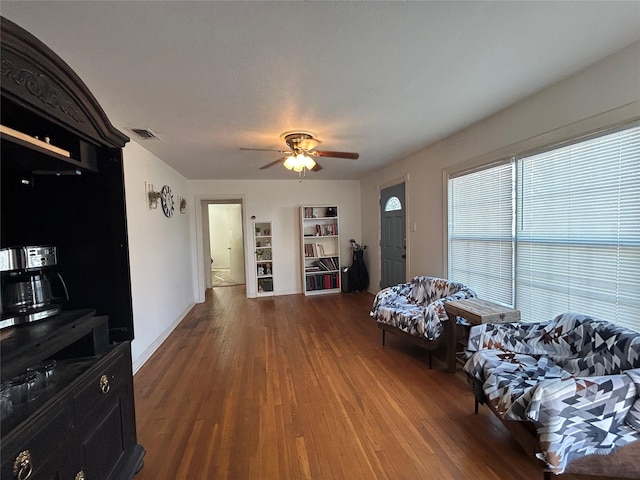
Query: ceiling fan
x: 301, y: 156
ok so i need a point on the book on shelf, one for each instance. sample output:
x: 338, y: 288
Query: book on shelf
x: 312, y: 267
x: 324, y: 281
x: 328, y: 263
x: 327, y: 230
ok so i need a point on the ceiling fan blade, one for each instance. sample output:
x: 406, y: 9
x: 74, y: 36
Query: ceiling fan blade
x: 264, y: 150
x: 325, y: 153
x: 317, y: 168
x: 275, y: 162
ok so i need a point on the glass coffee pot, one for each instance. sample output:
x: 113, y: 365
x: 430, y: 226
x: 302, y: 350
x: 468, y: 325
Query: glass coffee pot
x: 28, y: 278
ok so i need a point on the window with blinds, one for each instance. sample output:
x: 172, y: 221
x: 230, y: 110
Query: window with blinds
x: 576, y: 230
x: 481, y: 242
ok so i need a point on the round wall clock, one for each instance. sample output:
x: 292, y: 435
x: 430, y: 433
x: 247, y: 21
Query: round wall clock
x: 167, y: 200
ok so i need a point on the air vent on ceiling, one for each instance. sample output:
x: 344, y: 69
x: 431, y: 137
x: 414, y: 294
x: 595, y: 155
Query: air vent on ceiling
x: 145, y: 134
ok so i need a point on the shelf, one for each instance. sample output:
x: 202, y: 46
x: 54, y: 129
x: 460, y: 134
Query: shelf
x: 264, y: 282
x: 320, y: 247
x: 26, y: 140
x: 322, y: 292
x: 23, y: 345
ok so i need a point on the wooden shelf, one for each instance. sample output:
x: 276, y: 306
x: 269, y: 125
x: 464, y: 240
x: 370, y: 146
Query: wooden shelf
x: 320, y: 244
x: 26, y: 140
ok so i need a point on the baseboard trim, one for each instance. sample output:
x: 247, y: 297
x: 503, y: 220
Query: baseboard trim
x: 146, y: 355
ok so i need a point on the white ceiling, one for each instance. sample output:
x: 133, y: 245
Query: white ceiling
x: 380, y: 78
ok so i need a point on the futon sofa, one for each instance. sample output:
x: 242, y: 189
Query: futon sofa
x: 415, y: 310
x: 572, y: 383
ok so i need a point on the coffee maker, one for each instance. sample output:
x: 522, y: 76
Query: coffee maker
x: 28, y: 279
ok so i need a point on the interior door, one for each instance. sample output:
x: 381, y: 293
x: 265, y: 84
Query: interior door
x: 236, y: 246
x: 392, y: 236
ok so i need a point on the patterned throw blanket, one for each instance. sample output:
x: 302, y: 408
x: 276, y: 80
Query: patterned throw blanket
x: 417, y: 307
x: 576, y: 378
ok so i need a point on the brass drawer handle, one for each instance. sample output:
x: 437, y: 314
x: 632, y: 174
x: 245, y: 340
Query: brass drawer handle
x: 22, y: 466
x: 80, y: 475
x: 104, y: 384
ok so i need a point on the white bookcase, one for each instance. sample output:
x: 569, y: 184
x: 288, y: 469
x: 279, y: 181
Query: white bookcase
x: 263, y: 266
x: 320, y: 249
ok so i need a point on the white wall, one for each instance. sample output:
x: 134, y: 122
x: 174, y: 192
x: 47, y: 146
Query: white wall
x: 160, y: 252
x: 606, y: 92
x: 279, y: 201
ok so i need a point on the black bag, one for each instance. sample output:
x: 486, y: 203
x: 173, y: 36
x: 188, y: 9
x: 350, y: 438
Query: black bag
x: 358, y: 275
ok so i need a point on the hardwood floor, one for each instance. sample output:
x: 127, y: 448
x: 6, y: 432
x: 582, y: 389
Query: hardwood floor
x: 295, y: 387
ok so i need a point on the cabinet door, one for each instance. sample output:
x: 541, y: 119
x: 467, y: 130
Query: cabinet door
x: 104, y: 443
x: 105, y: 415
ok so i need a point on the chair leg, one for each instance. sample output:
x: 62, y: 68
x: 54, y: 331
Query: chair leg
x: 383, y: 332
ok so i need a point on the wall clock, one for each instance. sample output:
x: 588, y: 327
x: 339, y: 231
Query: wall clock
x: 166, y: 198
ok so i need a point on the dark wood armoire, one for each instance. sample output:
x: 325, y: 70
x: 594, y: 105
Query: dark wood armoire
x: 62, y: 184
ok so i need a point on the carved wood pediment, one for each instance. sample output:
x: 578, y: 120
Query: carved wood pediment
x: 35, y: 77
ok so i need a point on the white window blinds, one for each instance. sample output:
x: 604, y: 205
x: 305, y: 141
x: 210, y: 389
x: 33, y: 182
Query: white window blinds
x: 578, y: 230
x: 575, y: 241
x: 481, y: 232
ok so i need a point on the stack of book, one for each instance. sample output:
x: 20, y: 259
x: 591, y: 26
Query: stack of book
x: 323, y: 282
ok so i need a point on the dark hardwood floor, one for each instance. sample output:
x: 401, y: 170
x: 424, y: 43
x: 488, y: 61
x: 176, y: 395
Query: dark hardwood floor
x: 295, y: 387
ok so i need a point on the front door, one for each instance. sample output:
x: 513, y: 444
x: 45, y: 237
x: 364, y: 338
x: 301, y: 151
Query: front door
x: 392, y: 236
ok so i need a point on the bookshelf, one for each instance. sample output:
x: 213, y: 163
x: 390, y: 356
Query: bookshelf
x: 320, y: 249
x: 263, y: 267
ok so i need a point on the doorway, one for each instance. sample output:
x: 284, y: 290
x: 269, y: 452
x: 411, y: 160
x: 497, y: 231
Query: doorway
x: 226, y: 244
x: 393, y: 245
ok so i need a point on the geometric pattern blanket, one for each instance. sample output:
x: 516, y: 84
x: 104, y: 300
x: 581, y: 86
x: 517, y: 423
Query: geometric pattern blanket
x: 576, y: 378
x: 417, y: 307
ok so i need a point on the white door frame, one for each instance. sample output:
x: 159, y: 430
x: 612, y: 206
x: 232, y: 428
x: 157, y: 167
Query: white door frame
x: 202, y: 257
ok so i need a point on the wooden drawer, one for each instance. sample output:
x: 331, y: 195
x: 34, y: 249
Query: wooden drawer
x: 99, y: 385
x: 39, y: 441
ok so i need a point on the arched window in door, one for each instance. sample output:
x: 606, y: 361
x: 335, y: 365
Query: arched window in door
x: 392, y: 204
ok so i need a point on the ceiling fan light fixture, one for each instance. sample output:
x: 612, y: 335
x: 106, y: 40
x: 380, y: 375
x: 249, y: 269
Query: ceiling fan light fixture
x: 302, y: 153
x: 289, y: 162
x: 309, y: 163
x: 298, y: 162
